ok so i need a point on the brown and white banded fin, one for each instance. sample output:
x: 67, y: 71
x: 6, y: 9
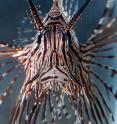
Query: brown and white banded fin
x: 33, y: 115
x: 76, y: 17
x: 106, y: 106
x: 26, y: 31
x: 106, y: 37
x: 89, y: 103
x: 106, y: 17
x: 8, y: 71
x: 7, y: 50
x: 19, y: 109
x: 10, y: 67
x: 9, y: 90
x: 4, y: 44
x: 52, y: 109
x: 109, y: 89
x: 96, y: 56
x: 69, y: 8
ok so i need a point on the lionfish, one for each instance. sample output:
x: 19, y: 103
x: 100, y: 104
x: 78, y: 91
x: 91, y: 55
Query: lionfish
x: 60, y: 73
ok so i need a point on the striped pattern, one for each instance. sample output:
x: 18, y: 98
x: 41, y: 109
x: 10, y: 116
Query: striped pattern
x: 76, y: 17
x: 57, y: 68
x: 34, y: 14
x: 107, y: 15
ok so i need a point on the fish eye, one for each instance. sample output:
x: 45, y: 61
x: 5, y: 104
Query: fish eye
x: 54, y: 17
x: 38, y: 37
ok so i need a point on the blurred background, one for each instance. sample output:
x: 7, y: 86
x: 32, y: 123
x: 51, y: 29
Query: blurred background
x: 12, y: 13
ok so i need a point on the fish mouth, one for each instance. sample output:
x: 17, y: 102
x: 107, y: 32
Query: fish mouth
x: 53, y: 74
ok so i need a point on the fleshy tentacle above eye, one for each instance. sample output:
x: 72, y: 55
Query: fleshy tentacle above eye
x: 76, y: 17
x: 34, y: 14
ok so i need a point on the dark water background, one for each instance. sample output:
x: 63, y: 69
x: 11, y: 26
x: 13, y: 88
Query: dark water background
x: 12, y: 12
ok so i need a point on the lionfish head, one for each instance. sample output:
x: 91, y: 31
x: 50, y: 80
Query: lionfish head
x: 55, y: 16
x: 55, y: 9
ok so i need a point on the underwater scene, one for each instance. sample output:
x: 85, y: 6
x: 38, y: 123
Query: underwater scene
x: 58, y: 62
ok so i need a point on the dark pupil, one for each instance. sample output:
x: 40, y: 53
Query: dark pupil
x: 39, y: 38
x: 54, y: 18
